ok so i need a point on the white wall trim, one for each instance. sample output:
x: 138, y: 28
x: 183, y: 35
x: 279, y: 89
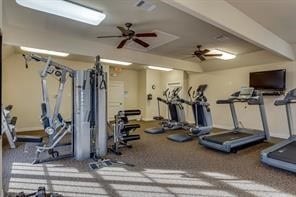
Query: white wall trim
x: 147, y: 119
x: 222, y: 126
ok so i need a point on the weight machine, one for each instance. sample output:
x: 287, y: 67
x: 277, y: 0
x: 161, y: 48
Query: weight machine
x: 88, y: 125
x: 122, y: 130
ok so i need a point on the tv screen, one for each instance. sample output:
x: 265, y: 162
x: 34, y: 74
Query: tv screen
x: 268, y: 80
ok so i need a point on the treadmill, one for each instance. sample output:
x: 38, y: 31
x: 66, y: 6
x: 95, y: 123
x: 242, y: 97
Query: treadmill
x: 237, y: 138
x: 283, y: 154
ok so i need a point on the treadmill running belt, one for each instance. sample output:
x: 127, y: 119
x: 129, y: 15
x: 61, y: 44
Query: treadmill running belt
x: 221, y: 138
x: 286, y: 153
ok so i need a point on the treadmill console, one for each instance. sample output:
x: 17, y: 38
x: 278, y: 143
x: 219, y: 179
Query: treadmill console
x: 246, y: 93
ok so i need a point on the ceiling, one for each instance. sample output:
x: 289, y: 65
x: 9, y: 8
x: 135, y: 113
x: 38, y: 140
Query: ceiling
x: 183, y: 30
x: 189, y: 30
x: 276, y: 15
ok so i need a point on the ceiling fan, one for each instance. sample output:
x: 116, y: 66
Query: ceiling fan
x: 202, y: 54
x: 129, y: 34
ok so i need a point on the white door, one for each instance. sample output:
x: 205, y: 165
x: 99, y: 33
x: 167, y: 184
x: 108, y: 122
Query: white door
x: 115, y: 98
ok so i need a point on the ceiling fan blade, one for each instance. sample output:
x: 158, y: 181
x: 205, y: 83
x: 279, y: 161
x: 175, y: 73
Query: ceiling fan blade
x: 205, y: 51
x: 202, y: 58
x: 212, y: 55
x: 122, y: 29
x: 122, y: 43
x: 110, y: 36
x: 146, y: 35
x: 141, y: 42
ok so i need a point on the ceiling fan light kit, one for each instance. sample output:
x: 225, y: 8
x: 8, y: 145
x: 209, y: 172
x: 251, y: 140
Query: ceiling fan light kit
x: 216, y: 53
x: 224, y: 55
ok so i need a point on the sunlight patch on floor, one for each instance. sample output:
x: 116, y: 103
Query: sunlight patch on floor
x: 177, y: 179
x: 218, y: 175
x: 179, y: 191
x: 54, y: 181
x: 248, y: 186
x: 41, y: 168
x: 126, y: 183
x: 256, y: 189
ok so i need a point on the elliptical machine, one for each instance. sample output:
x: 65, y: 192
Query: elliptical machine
x: 176, y: 114
x: 201, y: 113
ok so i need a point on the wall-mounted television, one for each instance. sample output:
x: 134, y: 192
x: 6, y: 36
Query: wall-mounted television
x: 268, y: 80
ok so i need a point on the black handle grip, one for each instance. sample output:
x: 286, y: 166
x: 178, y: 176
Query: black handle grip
x: 224, y: 101
x: 132, y: 112
x: 253, y: 101
x: 36, y: 59
x: 162, y: 100
x: 280, y: 102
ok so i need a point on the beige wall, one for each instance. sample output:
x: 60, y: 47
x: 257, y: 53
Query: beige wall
x: 22, y: 88
x: 130, y: 79
x: 223, y: 83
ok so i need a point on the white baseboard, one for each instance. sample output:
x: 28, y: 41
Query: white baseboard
x: 29, y: 129
x: 222, y: 126
x: 147, y: 119
x: 280, y: 135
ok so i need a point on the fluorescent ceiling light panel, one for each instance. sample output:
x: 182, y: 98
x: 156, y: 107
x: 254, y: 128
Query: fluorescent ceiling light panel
x: 65, y: 9
x: 116, y: 62
x: 43, y: 51
x: 225, y: 55
x: 160, y: 68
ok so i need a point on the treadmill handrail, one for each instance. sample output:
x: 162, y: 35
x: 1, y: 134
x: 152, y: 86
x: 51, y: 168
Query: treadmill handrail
x: 284, y: 102
x: 255, y: 100
x: 162, y: 100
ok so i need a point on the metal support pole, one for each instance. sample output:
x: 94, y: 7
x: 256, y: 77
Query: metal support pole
x: 234, y: 116
x: 290, y: 119
x: 263, y: 119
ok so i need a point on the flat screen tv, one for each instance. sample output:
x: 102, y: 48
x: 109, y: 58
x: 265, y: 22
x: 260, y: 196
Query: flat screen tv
x: 269, y: 80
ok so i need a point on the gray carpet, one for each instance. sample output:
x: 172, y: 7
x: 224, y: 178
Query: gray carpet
x: 162, y: 168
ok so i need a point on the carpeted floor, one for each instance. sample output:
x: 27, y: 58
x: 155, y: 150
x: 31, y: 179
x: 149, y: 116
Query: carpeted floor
x: 162, y: 168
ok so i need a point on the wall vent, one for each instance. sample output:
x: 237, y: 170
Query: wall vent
x: 222, y: 38
x: 145, y: 5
